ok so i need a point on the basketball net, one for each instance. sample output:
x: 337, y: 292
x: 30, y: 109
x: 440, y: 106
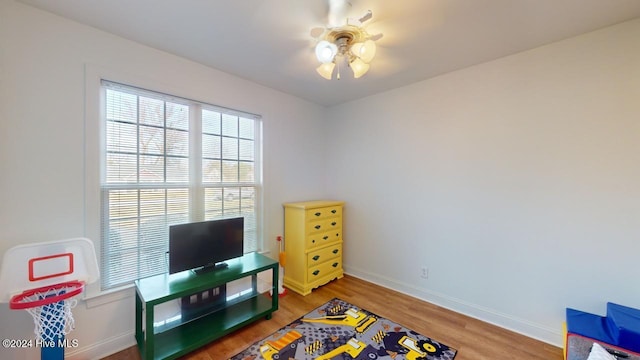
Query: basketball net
x: 52, y: 320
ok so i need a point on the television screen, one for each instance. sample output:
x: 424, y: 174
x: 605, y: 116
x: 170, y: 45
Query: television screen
x: 205, y: 244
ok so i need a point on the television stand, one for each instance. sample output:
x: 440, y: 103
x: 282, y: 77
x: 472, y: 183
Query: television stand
x: 202, y: 321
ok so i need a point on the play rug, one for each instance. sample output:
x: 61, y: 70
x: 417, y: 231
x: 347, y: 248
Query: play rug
x: 339, y: 330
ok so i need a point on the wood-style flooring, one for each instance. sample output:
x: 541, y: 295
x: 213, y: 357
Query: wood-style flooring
x: 474, y: 339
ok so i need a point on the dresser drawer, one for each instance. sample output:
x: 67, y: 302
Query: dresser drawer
x: 324, y: 269
x: 325, y: 212
x: 325, y: 254
x: 320, y: 239
x: 323, y: 225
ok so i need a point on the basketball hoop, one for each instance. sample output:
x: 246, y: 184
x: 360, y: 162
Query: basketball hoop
x: 43, y: 279
x: 50, y: 307
x: 46, y: 295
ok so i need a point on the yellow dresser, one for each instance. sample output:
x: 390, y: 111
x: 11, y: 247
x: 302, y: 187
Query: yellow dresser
x: 313, y: 244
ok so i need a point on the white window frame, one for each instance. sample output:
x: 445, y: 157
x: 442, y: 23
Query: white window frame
x: 94, y: 143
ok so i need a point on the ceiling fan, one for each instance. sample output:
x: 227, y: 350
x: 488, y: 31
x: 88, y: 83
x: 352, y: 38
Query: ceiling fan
x: 344, y: 42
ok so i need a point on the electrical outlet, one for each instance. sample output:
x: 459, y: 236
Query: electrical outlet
x: 424, y: 272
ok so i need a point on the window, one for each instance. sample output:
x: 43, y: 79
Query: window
x: 165, y: 161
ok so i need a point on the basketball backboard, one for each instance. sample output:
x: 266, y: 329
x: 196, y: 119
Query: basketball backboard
x: 35, y: 265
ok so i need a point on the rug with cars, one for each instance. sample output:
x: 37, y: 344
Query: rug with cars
x: 339, y: 330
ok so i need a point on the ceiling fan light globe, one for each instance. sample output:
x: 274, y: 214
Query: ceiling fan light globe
x: 326, y: 70
x: 366, y: 51
x: 356, y: 48
x: 358, y: 67
x: 326, y: 51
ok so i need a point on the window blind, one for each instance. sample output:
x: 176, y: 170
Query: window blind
x: 168, y: 160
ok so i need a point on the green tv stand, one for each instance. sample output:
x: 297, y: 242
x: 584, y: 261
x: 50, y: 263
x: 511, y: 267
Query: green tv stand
x: 207, y: 310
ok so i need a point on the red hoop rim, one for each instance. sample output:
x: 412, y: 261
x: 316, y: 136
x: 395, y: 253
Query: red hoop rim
x: 18, y: 301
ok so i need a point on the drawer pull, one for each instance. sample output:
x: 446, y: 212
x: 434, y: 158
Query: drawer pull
x: 333, y: 223
x: 317, y: 227
x: 315, y: 258
x: 313, y: 241
x: 334, y: 211
x: 336, y: 251
x: 325, y: 237
x: 335, y: 265
x: 318, y: 214
x: 315, y: 273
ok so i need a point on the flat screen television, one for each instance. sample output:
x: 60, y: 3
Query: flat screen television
x: 204, y: 246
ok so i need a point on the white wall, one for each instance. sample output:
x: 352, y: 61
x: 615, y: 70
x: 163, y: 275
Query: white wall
x: 515, y: 182
x: 43, y: 59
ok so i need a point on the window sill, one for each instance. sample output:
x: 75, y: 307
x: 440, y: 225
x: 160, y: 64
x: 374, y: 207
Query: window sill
x: 109, y: 296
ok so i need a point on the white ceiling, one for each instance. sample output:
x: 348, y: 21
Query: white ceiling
x: 268, y: 41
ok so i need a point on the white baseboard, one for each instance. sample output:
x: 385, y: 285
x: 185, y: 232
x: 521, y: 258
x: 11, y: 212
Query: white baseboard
x: 103, y: 348
x: 521, y: 326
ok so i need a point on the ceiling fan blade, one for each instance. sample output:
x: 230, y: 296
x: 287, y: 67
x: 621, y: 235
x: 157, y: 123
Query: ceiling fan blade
x: 376, y: 37
x: 367, y: 16
x: 316, y: 32
x: 338, y: 10
x: 317, y: 10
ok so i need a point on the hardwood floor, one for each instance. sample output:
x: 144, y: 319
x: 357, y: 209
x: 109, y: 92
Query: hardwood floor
x: 474, y: 339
